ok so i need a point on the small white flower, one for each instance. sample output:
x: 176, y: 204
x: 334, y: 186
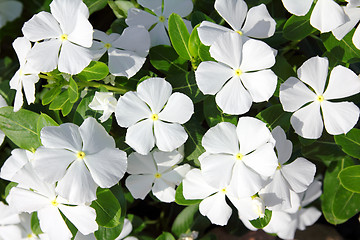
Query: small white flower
x: 127, y: 52
x: 158, y: 23
x: 9, y: 10
x: 80, y: 159
x: 104, y: 101
x: 241, y: 75
x: 26, y: 77
x: 62, y: 37
x: 258, y: 23
x: 338, y: 117
x: 157, y: 172
x: 320, y: 15
x: 154, y: 116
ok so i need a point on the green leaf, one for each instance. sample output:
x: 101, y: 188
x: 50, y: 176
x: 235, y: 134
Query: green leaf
x: 298, y: 27
x: 50, y: 95
x: 194, y: 42
x: 107, y: 207
x: 283, y: 71
x: 44, y: 121
x: 62, y: 102
x: 184, y: 220
x: 344, y: 49
x: 35, y: 224
x: 213, y: 115
x: 204, y: 53
x: 337, y: 203
x: 8, y: 188
x: 165, y: 59
x: 275, y: 116
x: 5, y: 91
x: 165, y: 236
x: 73, y: 91
x: 120, y: 8
x: 193, y: 147
x: 180, y: 199
x: 95, y: 5
x: 20, y: 127
x: 197, y: 17
x: 350, y: 178
x: 179, y: 36
x: 108, y: 233
x: 350, y: 142
x: 95, y: 71
x: 260, y: 223
x: 186, y: 83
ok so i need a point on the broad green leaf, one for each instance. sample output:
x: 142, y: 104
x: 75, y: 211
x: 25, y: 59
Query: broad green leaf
x: 186, y: 83
x: 62, y: 102
x: 184, y: 220
x: 108, y: 233
x: 107, y: 207
x: 260, y: 223
x: 193, y: 147
x: 197, y: 17
x: 165, y: 59
x: 275, y: 116
x: 120, y: 8
x: 214, y: 115
x: 350, y: 178
x: 118, y: 192
x: 73, y: 91
x: 118, y: 25
x: 337, y: 203
x: 137, y: 223
x: 283, y: 71
x: 350, y: 142
x: 95, y: 71
x: 180, y: 199
x: 35, y: 225
x: 95, y: 5
x: 344, y: 49
x: 44, y: 121
x: 194, y: 43
x: 83, y: 111
x: 20, y: 127
x: 298, y: 27
x: 204, y: 53
x: 5, y: 91
x: 50, y: 95
x: 165, y: 236
x: 179, y: 36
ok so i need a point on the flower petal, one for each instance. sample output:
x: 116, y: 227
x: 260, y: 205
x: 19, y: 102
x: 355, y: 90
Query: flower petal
x: 216, y: 209
x: 166, y: 161
x: 141, y: 164
x: 233, y: 98
x: 308, y: 216
x: 339, y: 117
x: 307, y: 121
x: 314, y: 72
x: 124, y: 63
x: 342, y: 83
x: 66, y: 13
x: 139, y: 17
x: 211, y: 76
x: 41, y: 26
x: 77, y: 185
x: 134, y: 38
x: 183, y: 8
x: 177, y: 175
x: 221, y: 138
x: 169, y: 136
x: 209, y: 32
x: 261, y: 85
x: 13, y: 164
x: 195, y: 186
x: 298, y: 8
x: 29, y: 87
x: 294, y: 94
x: 164, y: 191
x: 356, y: 38
x: 283, y: 146
x: 256, y: 55
x: 263, y: 160
x: 52, y: 223
x: 252, y: 134
x: 159, y: 36
x: 141, y: 137
x: 312, y: 193
x: 139, y: 185
x: 25, y: 200
x: 154, y: 5
x: 48, y: 50
x: 259, y: 23
x: 354, y: 16
x: 82, y: 33
x: 73, y: 58
x: 22, y: 47
x: 178, y: 109
x: 65, y: 136
x: 233, y: 11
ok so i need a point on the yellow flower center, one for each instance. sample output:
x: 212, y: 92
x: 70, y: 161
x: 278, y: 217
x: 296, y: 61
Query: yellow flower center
x: 154, y: 117
x: 239, y: 32
x: 238, y: 72
x: 80, y: 155
x: 107, y: 45
x: 29, y: 235
x: 157, y: 175
x: 162, y: 19
x: 239, y: 156
x: 64, y: 37
x: 320, y: 98
x: 278, y: 167
x: 21, y: 73
x: 54, y: 203
x: 224, y: 190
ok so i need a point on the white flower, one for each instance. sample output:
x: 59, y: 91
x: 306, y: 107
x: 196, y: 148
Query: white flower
x: 154, y: 116
x: 32, y: 194
x: 62, y: 37
x: 9, y: 220
x: 353, y: 12
x: 320, y: 15
x: 249, y: 208
x: 258, y: 23
x: 26, y: 77
x: 242, y: 156
x: 2, y: 104
x: 158, y: 23
x: 295, y: 176
x: 241, y: 75
x: 9, y: 10
x: 80, y: 159
x: 157, y: 172
x: 127, y: 52
x: 104, y: 101
x: 338, y: 117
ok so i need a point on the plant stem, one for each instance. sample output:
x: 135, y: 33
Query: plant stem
x: 120, y: 90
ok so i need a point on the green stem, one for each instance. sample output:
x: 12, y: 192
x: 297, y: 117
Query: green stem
x: 47, y: 77
x: 120, y: 90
